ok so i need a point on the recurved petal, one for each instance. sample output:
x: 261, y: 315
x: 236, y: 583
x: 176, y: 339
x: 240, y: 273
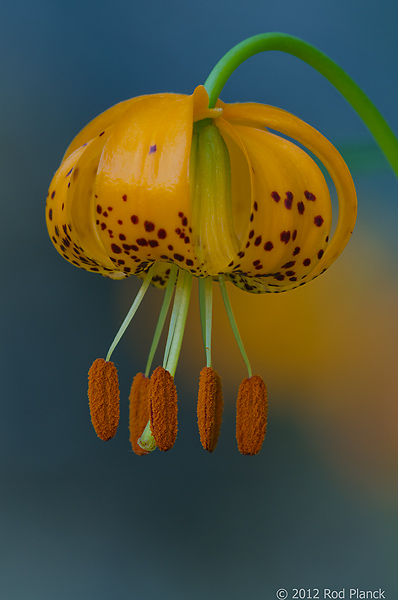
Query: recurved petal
x: 142, y: 185
x: 61, y: 227
x: 259, y: 115
x: 288, y: 229
x: 100, y: 124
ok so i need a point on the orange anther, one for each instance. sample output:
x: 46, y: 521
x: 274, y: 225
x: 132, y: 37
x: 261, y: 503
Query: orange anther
x: 103, y: 395
x: 209, y: 410
x: 139, y: 410
x: 251, y: 415
x: 163, y: 408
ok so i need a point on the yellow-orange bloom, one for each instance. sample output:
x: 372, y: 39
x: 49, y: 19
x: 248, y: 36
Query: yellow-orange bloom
x: 136, y: 188
x: 168, y: 189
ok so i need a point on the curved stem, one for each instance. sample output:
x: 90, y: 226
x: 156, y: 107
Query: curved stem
x: 359, y: 101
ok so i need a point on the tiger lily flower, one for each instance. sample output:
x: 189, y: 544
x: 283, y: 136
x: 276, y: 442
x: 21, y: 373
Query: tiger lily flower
x: 169, y: 187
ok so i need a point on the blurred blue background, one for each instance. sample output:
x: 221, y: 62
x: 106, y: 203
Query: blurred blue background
x: 318, y: 507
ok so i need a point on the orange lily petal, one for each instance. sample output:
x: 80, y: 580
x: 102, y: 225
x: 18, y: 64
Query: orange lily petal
x: 258, y: 115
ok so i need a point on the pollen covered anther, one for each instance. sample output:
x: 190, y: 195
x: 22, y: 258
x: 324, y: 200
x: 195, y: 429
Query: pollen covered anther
x: 139, y: 410
x: 251, y: 415
x: 104, y: 398
x: 163, y: 408
x: 209, y: 409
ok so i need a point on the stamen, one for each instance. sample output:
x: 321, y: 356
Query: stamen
x: 103, y: 395
x: 206, y: 308
x: 232, y: 322
x: 163, y: 408
x: 162, y: 316
x: 133, y: 309
x: 139, y: 410
x: 209, y: 410
x: 251, y: 415
x: 177, y: 321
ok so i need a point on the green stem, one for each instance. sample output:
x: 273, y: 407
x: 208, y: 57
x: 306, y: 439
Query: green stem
x: 359, y: 101
x: 233, y: 324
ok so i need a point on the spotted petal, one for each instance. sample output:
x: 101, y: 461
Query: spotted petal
x: 249, y: 117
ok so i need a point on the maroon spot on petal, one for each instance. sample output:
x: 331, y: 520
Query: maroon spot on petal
x: 142, y: 242
x: 309, y: 195
x: 251, y: 217
x: 292, y: 278
x: 186, y: 239
x: 320, y: 254
x: 162, y: 234
x: 258, y: 267
x: 120, y: 222
x: 102, y: 133
x: 294, y: 234
x: 289, y: 264
x: 189, y: 262
x: 134, y: 247
x: 149, y: 226
x: 124, y: 197
x: 256, y: 262
x: 296, y: 251
x: 301, y: 208
x: 122, y: 236
x: 103, y: 226
x: 327, y: 238
x: 251, y: 234
x: 285, y: 236
x: 184, y: 221
x: 279, y: 277
x: 50, y: 214
x: 99, y: 209
x: 257, y: 241
x: 289, y: 200
x: 178, y: 257
x: 318, y: 220
x: 268, y: 246
x: 153, y: 243
x: 306, y: 262
x: 275, y: 196
x: 104, y: 214
x: 170, y: 247
x: 53, y: 194
x: 255, y: 206
x: 178, y: 231
x: 116, y: 249
x: 180, y: 214
x: 134, y: 219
